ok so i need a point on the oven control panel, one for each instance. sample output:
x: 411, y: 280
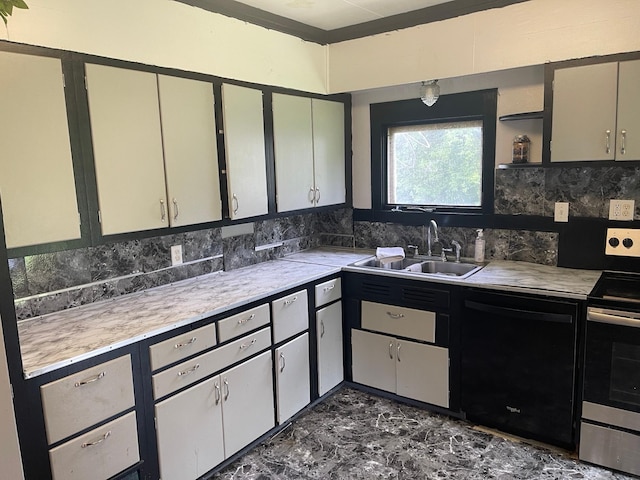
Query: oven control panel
x: 624, y: 242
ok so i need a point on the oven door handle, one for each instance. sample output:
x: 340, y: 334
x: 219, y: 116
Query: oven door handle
x: 602, y: 317
x: 519, y: 313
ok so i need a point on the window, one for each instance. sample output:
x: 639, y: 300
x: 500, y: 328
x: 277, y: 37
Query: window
x: 438, y: 158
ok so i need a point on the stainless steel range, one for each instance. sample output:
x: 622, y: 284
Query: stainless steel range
x: 610, y: 425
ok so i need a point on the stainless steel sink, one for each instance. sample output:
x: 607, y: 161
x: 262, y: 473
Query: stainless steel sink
x: 422, y: 266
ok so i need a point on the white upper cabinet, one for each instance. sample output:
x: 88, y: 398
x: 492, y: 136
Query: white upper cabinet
x: 243, y: 116
x: 309, y: 152
x: 127, y: 149
x: 155, y: 151
x: 595, y: 112
x: 328, y: 152
x: 293, y: 146
x: 37, y: 183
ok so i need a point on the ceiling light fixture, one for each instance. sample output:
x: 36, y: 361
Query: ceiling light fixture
x: 429, y: 92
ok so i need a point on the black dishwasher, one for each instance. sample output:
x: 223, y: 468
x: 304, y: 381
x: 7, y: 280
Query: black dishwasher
x: 518, y: 365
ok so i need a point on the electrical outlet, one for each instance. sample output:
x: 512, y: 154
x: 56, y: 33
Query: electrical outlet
x: 561, y: 212
x: 621, y: 209
x: 176, y: 255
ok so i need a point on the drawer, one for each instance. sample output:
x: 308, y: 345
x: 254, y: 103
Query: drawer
x: 290, y: 315
x: 328, y: 292
x: 399, y: 321
x: 206, y: 364
x: 98, y: 454
x: 181, y: 346
x: 83, y: 399
x: 244, y: 322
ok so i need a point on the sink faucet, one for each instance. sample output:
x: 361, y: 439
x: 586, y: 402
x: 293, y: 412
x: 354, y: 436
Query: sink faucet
x: 458, y: 248
x: 433, y: 224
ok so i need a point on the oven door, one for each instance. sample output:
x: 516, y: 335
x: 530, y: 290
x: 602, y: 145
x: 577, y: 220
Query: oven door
x: 612, y: 358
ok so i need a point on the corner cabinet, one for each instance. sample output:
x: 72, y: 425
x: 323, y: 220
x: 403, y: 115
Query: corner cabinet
x: 402, y: 338
x: 154, y: 148
x: 37, y: 183
x: 309, y: 147
x: 244, y: 139
x: 595, y: 112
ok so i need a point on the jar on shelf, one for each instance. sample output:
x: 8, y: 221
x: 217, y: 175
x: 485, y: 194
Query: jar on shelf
x: 521, y: 149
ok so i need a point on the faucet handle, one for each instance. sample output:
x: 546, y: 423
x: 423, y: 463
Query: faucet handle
x: 458, y: 249
x: 444, y: 253
x: 415, y: 250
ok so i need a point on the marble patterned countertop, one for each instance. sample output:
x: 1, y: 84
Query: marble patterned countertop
x: 55, y: 340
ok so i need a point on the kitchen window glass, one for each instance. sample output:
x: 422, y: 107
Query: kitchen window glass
x: 433, y: 159
x: 435, y: 164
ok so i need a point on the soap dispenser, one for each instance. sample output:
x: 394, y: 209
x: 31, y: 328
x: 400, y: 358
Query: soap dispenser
x: 479, y: 252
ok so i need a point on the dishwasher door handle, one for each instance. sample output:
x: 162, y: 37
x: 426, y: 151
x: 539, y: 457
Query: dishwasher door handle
x: 519, y: 313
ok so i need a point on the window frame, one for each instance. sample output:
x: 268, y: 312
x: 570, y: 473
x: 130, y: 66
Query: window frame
x: 476, y: 105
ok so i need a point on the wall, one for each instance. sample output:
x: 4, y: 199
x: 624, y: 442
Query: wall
x: 523, y: 34
x: 172, y: 34
x: 520, y: 90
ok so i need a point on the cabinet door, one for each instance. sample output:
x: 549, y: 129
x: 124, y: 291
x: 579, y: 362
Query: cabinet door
x: 374, y: 360
x: 292, y: 377
x: 190, y: 150
x: 330, y: 348
x: 628, y: 145
x: 189, y: 431
x: 293, y: 143
x: 36, y: 171
x: 584, y: 110
x: 127, y: 148
x: 248, y: 410
x: 422, y: 372
x: 245, y: 151
x: 328, y: 152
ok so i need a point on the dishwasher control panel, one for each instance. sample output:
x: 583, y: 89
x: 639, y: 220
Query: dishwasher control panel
x: 623, y: 242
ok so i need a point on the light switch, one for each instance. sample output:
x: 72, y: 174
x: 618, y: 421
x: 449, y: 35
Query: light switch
x: 176, y: 255
x: 561, y: 213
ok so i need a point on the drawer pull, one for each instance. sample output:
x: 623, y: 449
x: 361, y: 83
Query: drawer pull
x: 330, y: 287
x: 247, y: 345
x: 217, y: 387
x: 242, y: 321
x: 283, y: 362
x: 191, y: 370
x: 226, y: 389
x: 395, y: 315
x: 186, y: 344
x: 96, y: 442
x: 290, y: 301
x: 91, y: 380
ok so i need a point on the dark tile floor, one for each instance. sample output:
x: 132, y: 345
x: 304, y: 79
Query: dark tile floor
x: 353, y: 435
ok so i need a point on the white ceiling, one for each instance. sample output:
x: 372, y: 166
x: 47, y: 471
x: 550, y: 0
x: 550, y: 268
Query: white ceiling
x: 333, y: 14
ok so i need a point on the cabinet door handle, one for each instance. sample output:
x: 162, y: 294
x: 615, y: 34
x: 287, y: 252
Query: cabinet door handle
x: 317, y: 195
x: 623, y: 147
x: 290, y: 301
x: 283, y: 362
x: 321, y: 328
x: 395, y: 315
x: 608, y: 141
x: 96, y: 442
x: 391, y: 350
x: 226, y: 389
x: 242, y: 321
x: 175, y: 209
x: 234, y: 203
x: 218, y: 397
x: 398, y: 355
x: 90, y: 380
x: 163, y: 210
x: 312, y: 195
x: 189, y: 371
x: 244, y: 346
x: 186, y: 344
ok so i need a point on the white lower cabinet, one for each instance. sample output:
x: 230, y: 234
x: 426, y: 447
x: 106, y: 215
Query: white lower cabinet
x: 292, y: 377
x: 201, y: 426
x: 330, y: 348
x: 410, y: 369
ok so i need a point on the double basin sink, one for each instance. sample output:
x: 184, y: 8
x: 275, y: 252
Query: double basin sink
x: 424, y: 266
